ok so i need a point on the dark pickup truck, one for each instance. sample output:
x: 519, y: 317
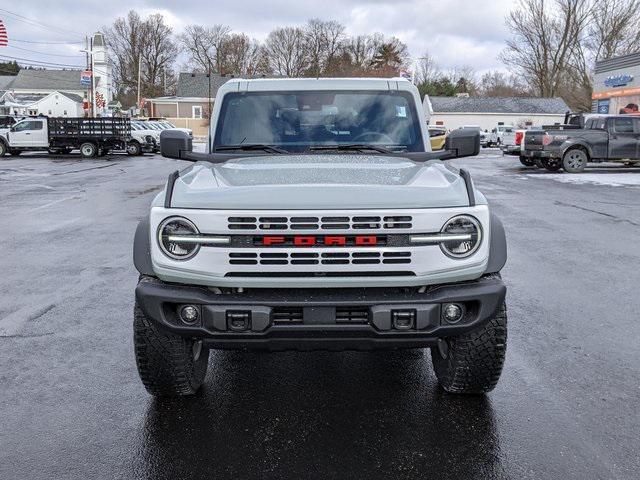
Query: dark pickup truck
x: 604, y: 138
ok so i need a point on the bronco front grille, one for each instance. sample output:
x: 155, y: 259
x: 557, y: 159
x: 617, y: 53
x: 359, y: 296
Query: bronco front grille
x: 313, y: 258
x: 320, y: 223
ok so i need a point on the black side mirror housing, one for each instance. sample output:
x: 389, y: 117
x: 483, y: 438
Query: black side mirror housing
x: 175, y: 143
x: 464, y: 142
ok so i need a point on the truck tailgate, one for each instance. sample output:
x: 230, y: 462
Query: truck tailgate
x: 533, y: 140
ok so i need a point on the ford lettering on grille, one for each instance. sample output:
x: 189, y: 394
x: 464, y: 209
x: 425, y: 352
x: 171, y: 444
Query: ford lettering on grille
x: 320, y: 240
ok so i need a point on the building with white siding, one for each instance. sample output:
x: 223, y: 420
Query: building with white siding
x: 487, y: 113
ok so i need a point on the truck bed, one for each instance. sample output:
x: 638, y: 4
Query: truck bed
x: 107, y: 127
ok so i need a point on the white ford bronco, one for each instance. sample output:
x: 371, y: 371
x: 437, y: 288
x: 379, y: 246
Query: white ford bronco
x: 319, y: 219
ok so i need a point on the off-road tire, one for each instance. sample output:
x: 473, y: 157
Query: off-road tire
x: 526, y: 161
x: 575, y: 160
x: 474, y: 360
x: 168, y: 364
x: 88, y: 150
x: 134, y: 149
x: 553, y: 164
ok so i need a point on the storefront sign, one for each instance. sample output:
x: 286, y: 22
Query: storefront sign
x: 603, y: 106
x: 618, y: 80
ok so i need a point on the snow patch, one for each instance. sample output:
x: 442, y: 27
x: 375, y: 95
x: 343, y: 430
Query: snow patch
x: 607, y: 179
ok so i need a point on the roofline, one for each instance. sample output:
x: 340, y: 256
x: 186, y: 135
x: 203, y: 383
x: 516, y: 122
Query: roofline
x: 179, y: 99
x: 497, y: 113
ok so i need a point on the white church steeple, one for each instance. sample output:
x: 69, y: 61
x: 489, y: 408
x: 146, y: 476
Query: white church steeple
x: 101, y: 72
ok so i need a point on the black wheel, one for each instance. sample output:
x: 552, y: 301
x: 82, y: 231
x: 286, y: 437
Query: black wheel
x: 526, y: 161
x: 88, y: 150
x: 14, y: 153
x: 539, y: 162
x: 169, y: 365
x: 472, y: 363
x: 134, y: 148
x: 3, y: 149
x: 575, y: 160
x: 553, y: 164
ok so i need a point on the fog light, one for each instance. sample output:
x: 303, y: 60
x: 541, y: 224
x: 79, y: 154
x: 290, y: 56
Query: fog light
x: 403, y: 319
x: 189, y: 314
x: 452, y: 312
x: 238, y: 321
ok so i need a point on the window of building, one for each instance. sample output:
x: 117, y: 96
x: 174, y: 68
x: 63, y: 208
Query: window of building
x: 196, y: 111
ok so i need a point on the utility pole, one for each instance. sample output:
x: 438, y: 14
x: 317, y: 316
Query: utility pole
x: 86, y: 49
x: 139, y: 77
x: 210, y: 107
x: 93, y: 84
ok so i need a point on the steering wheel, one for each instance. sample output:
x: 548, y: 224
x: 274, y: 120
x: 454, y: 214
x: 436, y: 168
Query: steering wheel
x: 368, y: 137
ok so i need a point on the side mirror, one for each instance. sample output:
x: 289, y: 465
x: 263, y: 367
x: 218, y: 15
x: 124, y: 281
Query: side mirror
x: 175, y: 144
x: 464, y: 142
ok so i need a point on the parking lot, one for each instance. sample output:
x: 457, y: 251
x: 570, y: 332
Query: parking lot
x: 73, y: 407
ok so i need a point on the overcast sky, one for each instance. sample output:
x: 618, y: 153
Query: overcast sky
x: 455, y: 32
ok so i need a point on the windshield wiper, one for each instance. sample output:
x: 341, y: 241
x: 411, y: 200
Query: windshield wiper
x: 352, y: 146
x: 249, y: 147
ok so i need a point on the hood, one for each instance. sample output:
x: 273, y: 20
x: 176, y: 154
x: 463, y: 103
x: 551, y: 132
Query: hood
x: 305, y: 182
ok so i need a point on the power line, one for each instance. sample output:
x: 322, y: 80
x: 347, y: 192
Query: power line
x: 36, y: 23
x: 42, y: 63
x: 47, y: 54
x: 45, y: 43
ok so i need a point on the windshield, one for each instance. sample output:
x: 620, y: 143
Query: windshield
x: 297, y: 121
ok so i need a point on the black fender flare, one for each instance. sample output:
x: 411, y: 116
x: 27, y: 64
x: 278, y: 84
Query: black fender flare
x: 579, y: 144
x: 498, y: 246
x: 142, y: 249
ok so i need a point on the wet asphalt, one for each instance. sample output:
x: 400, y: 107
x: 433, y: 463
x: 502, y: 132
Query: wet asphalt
x: 567, y: 406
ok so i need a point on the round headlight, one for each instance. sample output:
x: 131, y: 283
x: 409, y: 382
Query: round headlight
x: 466, y: 226
x: 174, y: 227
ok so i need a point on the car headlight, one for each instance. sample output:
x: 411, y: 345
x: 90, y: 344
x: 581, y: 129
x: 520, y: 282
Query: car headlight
x: 169, y: 233
x: 470, y: 235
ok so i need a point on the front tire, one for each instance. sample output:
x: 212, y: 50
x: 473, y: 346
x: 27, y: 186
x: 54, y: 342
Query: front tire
x: 3, y: 149
x: 169, y: 365
x: 134, y: 148
x: 575, y: 160
x: 473, y: 362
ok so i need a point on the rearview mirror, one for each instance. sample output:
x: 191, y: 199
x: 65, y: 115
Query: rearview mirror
x: 175, y: 143
x: 464, y: 142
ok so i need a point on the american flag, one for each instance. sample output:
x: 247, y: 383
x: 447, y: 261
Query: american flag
x: 4, y: 40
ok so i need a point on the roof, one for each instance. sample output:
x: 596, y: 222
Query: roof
x: 545, y: 105
x: 615, y: 63
x: 5, y: 80
x: 28, y: 79
x: 197, y: 84
x: 72, y: 96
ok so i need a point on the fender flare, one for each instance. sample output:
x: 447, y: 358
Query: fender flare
x: 142, y: 249
x: 578, y: 143
x: 498, y: 246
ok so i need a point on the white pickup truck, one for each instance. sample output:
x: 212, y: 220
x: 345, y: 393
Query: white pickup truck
x: 92, y: 136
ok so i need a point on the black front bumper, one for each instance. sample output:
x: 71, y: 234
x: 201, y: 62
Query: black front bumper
x: 320, y: 321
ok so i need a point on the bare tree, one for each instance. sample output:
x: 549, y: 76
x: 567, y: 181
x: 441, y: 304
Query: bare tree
x: 322, y: 42
x: 133, y: 39
x: 285, y: 49
x: 498, y: 84
x: 427, y: 70
x: 204, y: 46
x: 241, y: 55
x: 543, y: 40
